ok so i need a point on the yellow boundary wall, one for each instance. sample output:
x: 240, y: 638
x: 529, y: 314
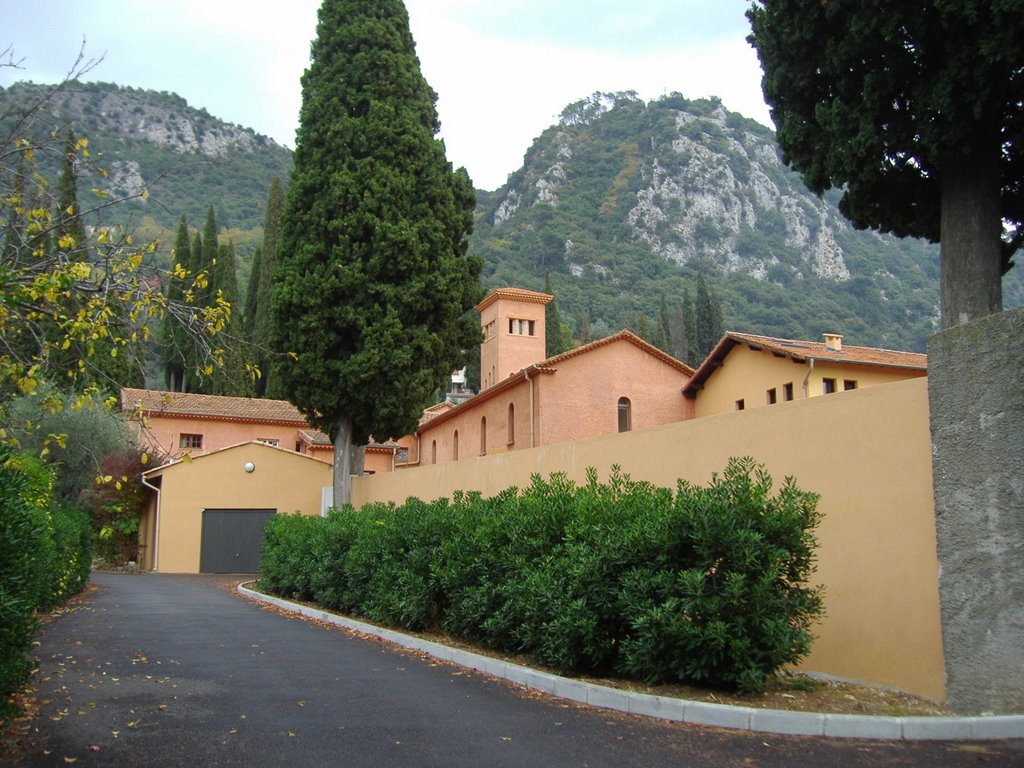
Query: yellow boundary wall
x: 866, y: 452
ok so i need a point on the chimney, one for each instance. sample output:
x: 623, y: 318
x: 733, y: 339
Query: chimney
x: 834, y: 342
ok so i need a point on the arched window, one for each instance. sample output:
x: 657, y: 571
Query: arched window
x: 511, y: 423
x: 455, y: 446
x: 433, y: 451
x: 625, y: 414
x: 483, y: 435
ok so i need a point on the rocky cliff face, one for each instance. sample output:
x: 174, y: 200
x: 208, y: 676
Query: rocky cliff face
x: 184, y: 158
x: 702, y: 190
x: 623, y: 201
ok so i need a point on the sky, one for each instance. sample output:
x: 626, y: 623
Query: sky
x: 503, y: 70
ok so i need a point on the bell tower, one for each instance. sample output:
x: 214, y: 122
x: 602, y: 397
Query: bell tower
x: 513, y: 324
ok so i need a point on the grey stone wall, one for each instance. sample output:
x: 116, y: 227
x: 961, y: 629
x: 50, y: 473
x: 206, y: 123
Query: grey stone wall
x: 976, y: 394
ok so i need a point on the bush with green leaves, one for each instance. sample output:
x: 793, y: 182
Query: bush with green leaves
x: 44, y: 559
x: 701, y: 584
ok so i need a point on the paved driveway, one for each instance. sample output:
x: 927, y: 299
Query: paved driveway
x: 158, y: 671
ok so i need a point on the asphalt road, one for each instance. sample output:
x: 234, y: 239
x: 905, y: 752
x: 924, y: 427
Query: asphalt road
x: 157, y: 671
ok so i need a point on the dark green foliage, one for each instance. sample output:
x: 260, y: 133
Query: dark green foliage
x: 44, y: 559
x: 914, y: 111
x: 230, y: 377
x: 175, y: 343
x: 68, y: 221
x: 555, y: 340
x: 261, y: 285
x: 708, y: 325
x: 374, y: 287
x: 703, y: 584
x: 22, y: 578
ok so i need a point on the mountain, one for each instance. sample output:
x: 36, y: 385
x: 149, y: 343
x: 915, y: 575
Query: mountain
x: 623, y: 201
x: 186, y: 158
x: 620, y: 202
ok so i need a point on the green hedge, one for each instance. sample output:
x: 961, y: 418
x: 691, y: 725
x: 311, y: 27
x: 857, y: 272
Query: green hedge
x: 44, y: 559
x: 700, y: 584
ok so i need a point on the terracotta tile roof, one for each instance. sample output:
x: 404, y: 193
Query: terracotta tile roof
x: 517, y: 294
x: 802, y: 351
x: 315, y: 439
x: 218, y: 407
x: 550, y: 366
x: 633, y: 339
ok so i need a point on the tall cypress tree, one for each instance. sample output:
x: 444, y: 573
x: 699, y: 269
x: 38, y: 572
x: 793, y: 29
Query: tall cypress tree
x: 690, y: 329
x: 374, y: 287
x: 174, y: 353
x: 663, y: 333
x: 554, y: 339
x: 708, y: 321
x: 679, y: 335
x: 249, y: 311
x: 230, y: 377
x: 270, y: 383
x: 69, y: 228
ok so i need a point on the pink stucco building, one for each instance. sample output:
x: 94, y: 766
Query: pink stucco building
x: 616, y: 384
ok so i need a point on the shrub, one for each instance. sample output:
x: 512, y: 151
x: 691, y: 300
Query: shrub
x: 703, y: 584
x: 22, y: 576
x: 44, y: 559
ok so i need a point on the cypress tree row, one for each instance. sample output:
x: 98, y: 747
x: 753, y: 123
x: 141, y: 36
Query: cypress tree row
x: 374, y: 287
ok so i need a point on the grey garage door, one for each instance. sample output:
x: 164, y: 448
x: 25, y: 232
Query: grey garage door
x: 232, y: 540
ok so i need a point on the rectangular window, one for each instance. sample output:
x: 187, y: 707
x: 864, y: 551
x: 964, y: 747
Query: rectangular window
x: 828, y: 386
x: 787, y: 391
x: 772, y: 396
x: 522, y: 327
x: 740, y: 405
x: 849, y: 384
x: 190, y: 442
x: 268, y: 441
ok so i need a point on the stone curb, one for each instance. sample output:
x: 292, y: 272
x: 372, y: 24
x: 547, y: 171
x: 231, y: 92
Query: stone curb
x: 681, y: 710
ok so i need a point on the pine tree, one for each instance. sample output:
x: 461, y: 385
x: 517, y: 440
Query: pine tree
x: 374, y: 288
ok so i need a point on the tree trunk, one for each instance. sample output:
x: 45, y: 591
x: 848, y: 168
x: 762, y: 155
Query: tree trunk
x: 970, y: 261
x: 343, y: 469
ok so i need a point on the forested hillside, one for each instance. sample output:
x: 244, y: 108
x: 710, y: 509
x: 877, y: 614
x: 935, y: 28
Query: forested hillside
x: 623, y: 202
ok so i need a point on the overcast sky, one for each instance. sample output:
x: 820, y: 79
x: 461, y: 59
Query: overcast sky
x: 503, y: 69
